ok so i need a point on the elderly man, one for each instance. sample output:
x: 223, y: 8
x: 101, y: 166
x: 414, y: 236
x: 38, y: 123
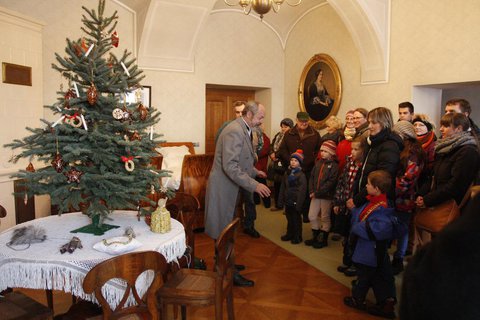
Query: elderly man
x: 302, y: 136
x: 462, y: 106
x: 233, y: 169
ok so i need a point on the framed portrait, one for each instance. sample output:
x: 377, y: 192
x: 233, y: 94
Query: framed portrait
x: 320, y: 89
x: 142, y: 95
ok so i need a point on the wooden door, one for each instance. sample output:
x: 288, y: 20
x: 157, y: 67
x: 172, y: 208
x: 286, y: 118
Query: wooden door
x: 219, y: 108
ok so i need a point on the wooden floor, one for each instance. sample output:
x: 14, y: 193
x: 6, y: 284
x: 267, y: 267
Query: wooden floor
x: 286, y: 287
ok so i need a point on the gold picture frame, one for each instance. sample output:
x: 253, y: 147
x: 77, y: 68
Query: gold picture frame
x: 322, y: 98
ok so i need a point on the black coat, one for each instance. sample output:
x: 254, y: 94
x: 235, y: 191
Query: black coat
x: 293, y: 193
x: 453, y: 173
x: 383, y: 154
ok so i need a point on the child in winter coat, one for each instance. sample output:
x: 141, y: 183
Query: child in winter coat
x: 372, y: 230
x: 321, y: 187
x: 343, y: 192
x: 293, y: 192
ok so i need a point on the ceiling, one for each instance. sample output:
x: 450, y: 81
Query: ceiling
x: 167, y: 30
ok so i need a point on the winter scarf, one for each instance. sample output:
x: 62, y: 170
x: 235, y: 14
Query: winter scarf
x: 446, y: 145
x: 374, y: 203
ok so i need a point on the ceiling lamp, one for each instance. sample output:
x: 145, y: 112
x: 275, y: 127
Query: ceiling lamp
x: 261, y: 6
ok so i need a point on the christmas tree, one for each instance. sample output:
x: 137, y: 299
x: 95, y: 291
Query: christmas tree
x: 97, y: 153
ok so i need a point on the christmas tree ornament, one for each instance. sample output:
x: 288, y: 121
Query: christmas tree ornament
x: 135, y: 136
x: 92, y: 94
x: 143, y: 112
x: 127, y: 115
x: 129, y: 164
x: 161, y: 220
x: 30, y: 168
x: 58, y: 121
x: 115, y: 39
x: 117, y: 114
x: 68, y: 95
x: 89, y: 50
x: 125, y: 68
x: 75, y: 120
x: 73, y: 175
x: 76, y: 89
x: 57, y: 163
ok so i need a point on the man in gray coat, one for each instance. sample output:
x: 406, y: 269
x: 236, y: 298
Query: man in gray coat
x: 233, y: 168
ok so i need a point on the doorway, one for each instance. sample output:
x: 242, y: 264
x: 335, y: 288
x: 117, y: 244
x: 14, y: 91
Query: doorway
x: 219, y: 109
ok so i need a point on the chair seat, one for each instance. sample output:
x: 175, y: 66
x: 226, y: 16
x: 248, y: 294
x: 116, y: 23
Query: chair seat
x: 191, y: 285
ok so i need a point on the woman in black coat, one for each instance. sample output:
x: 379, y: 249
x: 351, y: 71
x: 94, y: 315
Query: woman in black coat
x: 383, y: 153
x: 456, y: 162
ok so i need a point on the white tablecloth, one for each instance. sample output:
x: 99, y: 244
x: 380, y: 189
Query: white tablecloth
x: 42, y: 266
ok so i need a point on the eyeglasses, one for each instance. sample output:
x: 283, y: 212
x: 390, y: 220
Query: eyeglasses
x: 358, y: 118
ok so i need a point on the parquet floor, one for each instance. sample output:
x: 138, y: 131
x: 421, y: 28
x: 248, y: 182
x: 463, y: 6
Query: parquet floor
x: 286, y: 288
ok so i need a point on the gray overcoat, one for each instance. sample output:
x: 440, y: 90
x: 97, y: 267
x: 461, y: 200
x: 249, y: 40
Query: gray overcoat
x: 233, y: 167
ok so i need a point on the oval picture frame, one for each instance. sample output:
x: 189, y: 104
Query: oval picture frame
x: 322, y: 100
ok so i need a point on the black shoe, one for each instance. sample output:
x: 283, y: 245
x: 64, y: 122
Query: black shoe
x: 351, y: 271
x: 251, y: 232
x: 240, y: 267
x: 240, y: 281
x: 286, y: 237
x: 342, y: 268
x: 355, y: 303
x: 384, y: 310
x: 296, y: 240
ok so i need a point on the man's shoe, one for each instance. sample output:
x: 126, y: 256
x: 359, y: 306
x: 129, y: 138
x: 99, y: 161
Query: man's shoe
x: 240, y: 281
x: 251, y: 232
x: 239, y: 267
x: 354, y: 303
x: 385, y: 309
x: 286, y: 237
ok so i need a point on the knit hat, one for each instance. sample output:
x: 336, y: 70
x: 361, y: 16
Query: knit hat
x: 329, y: 146
x: 405, y: 129
x: 303, y: 116
x: 287, y: 122
x: 298, y: 155
x: 424, y: 121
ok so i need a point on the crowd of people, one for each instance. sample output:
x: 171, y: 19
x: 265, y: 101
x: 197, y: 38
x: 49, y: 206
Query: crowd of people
x: 361, y: 182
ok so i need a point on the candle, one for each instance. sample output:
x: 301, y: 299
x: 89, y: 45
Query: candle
x: 76, y: 89
x: 84, y: 122
x: 125, y: 68
x: 151, y: 133
x: 89, y: 50
x: 58, y: 121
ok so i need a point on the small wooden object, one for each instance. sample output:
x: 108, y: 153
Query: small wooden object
x: 16, y: 74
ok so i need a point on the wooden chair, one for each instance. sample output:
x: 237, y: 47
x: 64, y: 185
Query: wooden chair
x: 183, y: 207
x: 202, y: 288
x: 127, y: 267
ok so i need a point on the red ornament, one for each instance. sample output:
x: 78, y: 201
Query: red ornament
x: 69, y: 95
x: 73, y: 175
x: 115, y: 39
x: 143, y: 111
x: 57, y: 163
x: 30, y: 168
x: 92, y: 94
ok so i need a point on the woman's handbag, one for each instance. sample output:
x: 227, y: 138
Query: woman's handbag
x: 434, y: 219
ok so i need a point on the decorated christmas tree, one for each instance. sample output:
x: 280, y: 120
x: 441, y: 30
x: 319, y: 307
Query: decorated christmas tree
x: 97, y: 153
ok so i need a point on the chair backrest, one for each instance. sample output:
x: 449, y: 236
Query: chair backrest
x: 128, y: 267
x: 183, y: 207
x: 224, y: 251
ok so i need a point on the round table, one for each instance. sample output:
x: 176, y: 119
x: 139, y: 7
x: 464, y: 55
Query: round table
x: 42, y: 266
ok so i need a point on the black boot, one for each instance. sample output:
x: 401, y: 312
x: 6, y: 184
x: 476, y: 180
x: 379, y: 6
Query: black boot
x: 290, y: 225
x: 397, y: 266
x: 314, y: 239
x: 322, y: 240
x: 385, y: 309
x: 297, y: 228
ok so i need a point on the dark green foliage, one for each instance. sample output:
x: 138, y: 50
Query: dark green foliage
x: 97, y: 153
